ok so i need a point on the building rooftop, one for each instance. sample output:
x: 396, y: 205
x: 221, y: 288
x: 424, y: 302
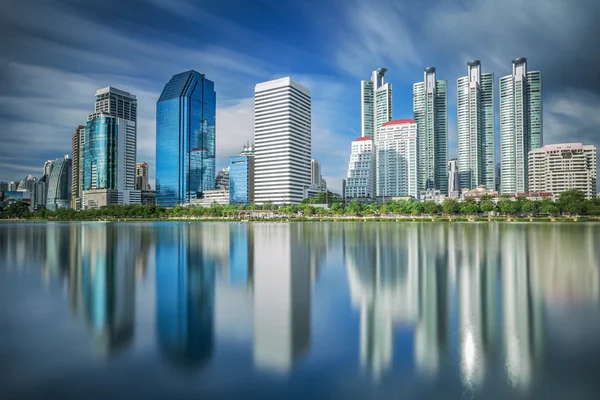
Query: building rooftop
x: 400, y: 121
x: 363, y: 138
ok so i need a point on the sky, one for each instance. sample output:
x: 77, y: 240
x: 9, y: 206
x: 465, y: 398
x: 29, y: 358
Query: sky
x: 54, y: 55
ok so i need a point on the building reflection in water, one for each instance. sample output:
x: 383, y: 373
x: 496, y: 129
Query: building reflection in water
x: 393, y: 283
x: 185, y: 295
x: 282, y: 296
x: 102, y: 283
x: 241, y: 255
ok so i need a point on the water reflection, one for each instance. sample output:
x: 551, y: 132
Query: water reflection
x: 475, y: 299
x: 185, y: 293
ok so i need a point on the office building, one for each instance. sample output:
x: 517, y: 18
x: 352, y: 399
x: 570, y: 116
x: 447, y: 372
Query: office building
x: 241, y: 177
x: 3, y: 186
x: 185, y: 139
x: 141, y: 176
x: 282, y: 136
x: 520, y: 125
x: 396, y: 165
x: 116, y: 103
x: 210, y: 197
x: 317, y: 180
x: 376, y: 103
x: 109, y: 160
x: 475, y: 117
x: 59, y: 184
x: 558, y: 167
x: 453, y: 188
x: 222, y: 179
x: 12, y: 186
x: 430, y: 106
x: 148, y: 197
x: 77, y: 151
x: 361, y: 180
x: 48, y: 165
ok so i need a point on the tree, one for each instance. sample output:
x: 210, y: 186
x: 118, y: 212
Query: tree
x: 530, y: 207
x: 431, y: 208
x: 17, y: 209
x: 571, y: 201
x: 486, y: 204
x: 450, y: 207
x: 354, y: 208
x: 416, y: 208
x: 308, y: 210
x: 507, y: 206
x: 469, y: 207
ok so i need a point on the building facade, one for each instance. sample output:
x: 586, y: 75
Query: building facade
x: 520, y: 125
x: 185, y: 139
x: 453, y: 187
x: 59, y: 184
x: 430, y: 106
x: 282, y: 136
x: 475, y: 117
x: 396, y: 165
x: 222, y: 179
x: 559, y: 167
x: 361, y: 180
x: 376, y: 103
x: 141, y: 176
x: 77, y: 166
x: 241, y: 177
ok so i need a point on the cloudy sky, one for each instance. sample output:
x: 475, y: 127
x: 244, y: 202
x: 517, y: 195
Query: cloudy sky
x: 54, y: 54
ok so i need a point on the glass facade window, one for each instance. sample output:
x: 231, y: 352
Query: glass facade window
x: 185, y: 139
x: 101, y: 153
x: 59, y: 185
x: 238, y: 180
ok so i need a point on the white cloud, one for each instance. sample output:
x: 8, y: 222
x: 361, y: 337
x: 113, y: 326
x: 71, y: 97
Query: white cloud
x: 235, y: 126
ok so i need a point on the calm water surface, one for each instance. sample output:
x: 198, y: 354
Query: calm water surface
x: 306, y: 310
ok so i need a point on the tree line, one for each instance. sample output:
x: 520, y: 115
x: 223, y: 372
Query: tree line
x: 570, y: 202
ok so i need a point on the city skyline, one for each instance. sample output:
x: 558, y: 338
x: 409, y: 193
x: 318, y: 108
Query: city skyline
x: 61, y: 105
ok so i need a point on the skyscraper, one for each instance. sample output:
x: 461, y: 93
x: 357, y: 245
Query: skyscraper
x: 430, y: 106
x: 241, y: 177
x: 116, y: 103
x: 185, y: 139
x: 520, y: 124
x: 59, y: 184
x: 453, y: 188
x: 361, y: 180
x: 282, y: 134
x: 141, y: 176
x: 397, y: 158
x: 475, y: 116
x: 376, y: 103
x: 77, y: 150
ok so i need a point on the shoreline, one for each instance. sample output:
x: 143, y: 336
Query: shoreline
x: 435, y: 219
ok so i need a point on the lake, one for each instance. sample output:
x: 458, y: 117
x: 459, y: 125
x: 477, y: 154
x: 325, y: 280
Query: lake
x: 382, y: 310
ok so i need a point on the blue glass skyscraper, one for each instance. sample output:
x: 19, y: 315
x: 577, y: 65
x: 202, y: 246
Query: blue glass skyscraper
x: 185, y: 139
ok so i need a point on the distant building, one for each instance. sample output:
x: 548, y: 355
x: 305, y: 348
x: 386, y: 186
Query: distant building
x: 148, y: 197
x: 48, y: 165
x: 559, y: 167
x: 3, y: 186
x: 361, y: 180
x: 241, y: 177
x: 210, y: 197
x: 222, y: 179
x: 77, y: 168
x: 432, y: 195
x: 477, y: 192
x: 59, y: 184
x: 344, y: 183
x: 396, y: 149
x: 12, y: 186
x: 376, y: 103
x: 282, y: 135
x: 29, y: 184
x: 453, y: 184
x: 520, y: 125
x: 430, y: 106
x: 185, y: 139
x: 141, y: 176
x: 317, y: 180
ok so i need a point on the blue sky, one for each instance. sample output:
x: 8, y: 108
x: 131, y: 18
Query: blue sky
x: 55, y: 53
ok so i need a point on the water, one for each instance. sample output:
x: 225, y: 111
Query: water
x: 306, y: 310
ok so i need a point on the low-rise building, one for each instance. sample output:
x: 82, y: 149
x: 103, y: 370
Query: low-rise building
x: 558, y: 167
x: 210, y: 197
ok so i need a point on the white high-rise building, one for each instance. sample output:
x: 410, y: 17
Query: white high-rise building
x: 430, y: 106
x: 397, y: 173
x: 475, y: 116
x: 282, y: 135
x: 558, y: 167
x: 453, y: 190
x: 360, y: 181
x: 376, y: 103
x: 520, y: 125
